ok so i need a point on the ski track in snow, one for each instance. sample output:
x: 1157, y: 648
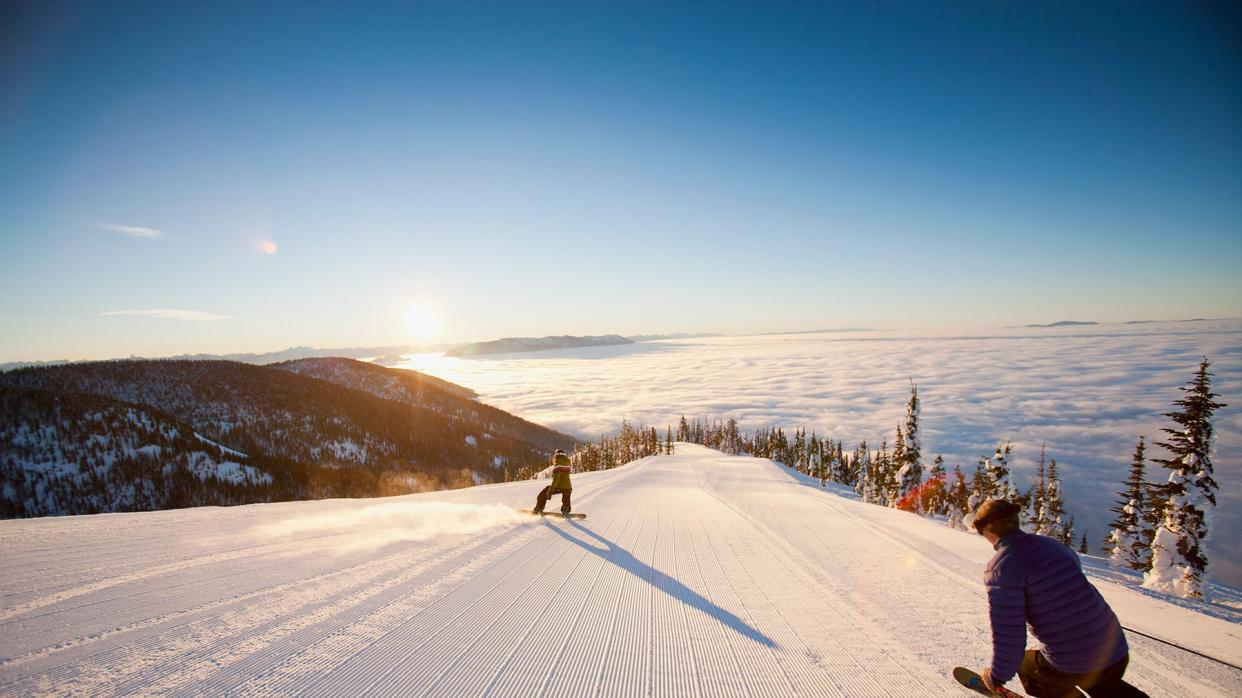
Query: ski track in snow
x: 700, y: 574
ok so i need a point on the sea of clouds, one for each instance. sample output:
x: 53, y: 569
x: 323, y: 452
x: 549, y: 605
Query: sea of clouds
x: 1087, y: 391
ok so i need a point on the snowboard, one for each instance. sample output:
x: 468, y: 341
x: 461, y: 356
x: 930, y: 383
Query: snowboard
x: 974, y: 682
x: 571, y: 515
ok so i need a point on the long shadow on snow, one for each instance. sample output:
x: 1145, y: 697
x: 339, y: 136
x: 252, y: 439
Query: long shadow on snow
x: 625, y: 560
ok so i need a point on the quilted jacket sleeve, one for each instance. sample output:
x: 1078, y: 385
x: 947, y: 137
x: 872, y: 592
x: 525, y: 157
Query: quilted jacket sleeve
x: 1007, y: 613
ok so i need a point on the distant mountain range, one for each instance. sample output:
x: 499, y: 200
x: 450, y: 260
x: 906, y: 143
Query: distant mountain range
x: 1065, y: 323
x: 270, y: 357
x: 511, y: 345
x: 140, y: 435
x: 387, y: 355
x: 674, y: 335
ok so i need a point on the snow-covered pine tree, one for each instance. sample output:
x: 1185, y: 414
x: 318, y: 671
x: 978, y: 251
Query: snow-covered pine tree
x: 914, y: 442
x: 1150, y: 518
x: 732, y: 437
x: 901, y: 472
x: 1054, y: 507
x: 861, y: 468
x: 886, y: 483
x: 957, y: 501
x: 808, y: 464
x: 935, y: 495
x: 908, y: 475
x: 998, y: 472
x: 980, y: 488
x: 845, y: 466
x: 825, y: 462
x: 899, y: 448
x: 1124, y: 543
x: 1039, y: 495
x: 1179, y: 559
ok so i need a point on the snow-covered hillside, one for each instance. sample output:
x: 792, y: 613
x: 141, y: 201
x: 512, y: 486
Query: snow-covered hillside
x: 698, y: 574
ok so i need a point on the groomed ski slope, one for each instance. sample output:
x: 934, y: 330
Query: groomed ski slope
x: 698, y: 574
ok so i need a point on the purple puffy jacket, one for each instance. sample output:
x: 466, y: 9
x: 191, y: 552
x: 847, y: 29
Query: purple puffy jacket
x: 1038, y: 580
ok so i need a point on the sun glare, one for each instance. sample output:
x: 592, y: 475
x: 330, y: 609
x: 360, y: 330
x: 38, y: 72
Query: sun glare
x: 423, y: 320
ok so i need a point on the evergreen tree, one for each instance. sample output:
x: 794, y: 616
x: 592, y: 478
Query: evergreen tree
x: 845, y: 466
x: 899, y: 449
x: 1038, y: 503
x: 1150, y: 518
x: 863, y: 484
x: 732, y: 437
x: 909, y: 474
x: 1125, y: 542
x: 935, y: 494
x: 958, y: 500
x: 1082, y: 545
x: 913, y: 447
x: 998, y: 473
x: 886, y: 477
x: 815, y: 462
x: 980, y: 488
x: 1179, y: 559
x: 1054, y: 507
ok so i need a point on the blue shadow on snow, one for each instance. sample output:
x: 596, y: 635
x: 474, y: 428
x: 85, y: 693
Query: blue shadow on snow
x: 625, y: 560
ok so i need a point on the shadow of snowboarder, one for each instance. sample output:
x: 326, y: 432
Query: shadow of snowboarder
x: 625, y: 560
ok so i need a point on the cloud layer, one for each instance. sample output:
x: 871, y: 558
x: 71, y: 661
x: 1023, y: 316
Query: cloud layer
x: 1089, y: 392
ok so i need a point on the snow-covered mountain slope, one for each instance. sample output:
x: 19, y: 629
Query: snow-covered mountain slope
x: 133, y: 435
x: 698, y: 574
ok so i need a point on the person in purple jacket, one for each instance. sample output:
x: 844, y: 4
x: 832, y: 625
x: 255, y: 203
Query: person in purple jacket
x: 1037, y: 580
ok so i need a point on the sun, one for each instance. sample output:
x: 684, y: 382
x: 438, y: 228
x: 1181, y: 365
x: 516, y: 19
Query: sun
x: 423, y: 320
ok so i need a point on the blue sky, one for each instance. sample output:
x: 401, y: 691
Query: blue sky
x: 584, y: 168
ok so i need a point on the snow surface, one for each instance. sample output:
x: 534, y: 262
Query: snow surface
x: 695, y: 574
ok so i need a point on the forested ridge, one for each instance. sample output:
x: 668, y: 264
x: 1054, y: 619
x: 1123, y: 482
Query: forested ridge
x: 139, y: 435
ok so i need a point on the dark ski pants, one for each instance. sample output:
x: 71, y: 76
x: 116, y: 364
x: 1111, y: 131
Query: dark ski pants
x: 547, y: 492
x: 1042, y: 680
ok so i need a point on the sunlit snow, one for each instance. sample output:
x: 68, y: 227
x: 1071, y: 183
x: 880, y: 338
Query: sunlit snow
x: 694, y: 574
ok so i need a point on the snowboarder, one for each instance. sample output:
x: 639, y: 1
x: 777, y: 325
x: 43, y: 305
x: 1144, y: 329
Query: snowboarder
x: 560, y: 483
x: 1038, y: 580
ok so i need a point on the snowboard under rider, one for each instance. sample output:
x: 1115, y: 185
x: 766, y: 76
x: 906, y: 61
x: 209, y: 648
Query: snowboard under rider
x: 560, y: 483
x: 1038, y: 580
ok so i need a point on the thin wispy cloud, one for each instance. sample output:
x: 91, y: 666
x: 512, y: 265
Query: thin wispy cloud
x: 167, y: 314
x: 133, y: 231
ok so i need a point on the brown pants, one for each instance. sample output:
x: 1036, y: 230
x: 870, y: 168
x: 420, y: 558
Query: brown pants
x: 547, y: 492
x: 1042, y: 680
